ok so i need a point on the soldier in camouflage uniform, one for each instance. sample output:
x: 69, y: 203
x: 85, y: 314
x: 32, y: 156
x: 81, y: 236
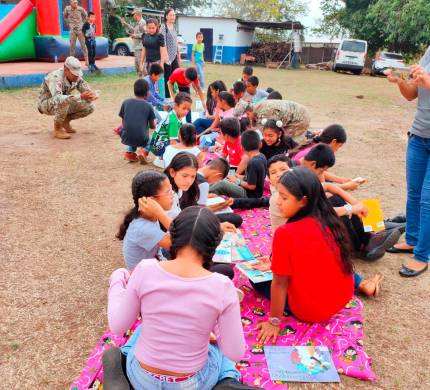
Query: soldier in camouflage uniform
x: 76, y: 16
x: 294, y: 116
x: 136, y: 32
x: 56, y: 98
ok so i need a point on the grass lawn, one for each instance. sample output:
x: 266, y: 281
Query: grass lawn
x: 61, y: 203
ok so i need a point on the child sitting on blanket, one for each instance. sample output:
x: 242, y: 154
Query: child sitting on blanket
x: 251, y: 184
x: 226, y: 105
x: 213, y: 172
x: 335, y: 137
x: 168, y: 130
x: 182, y: 173
x: 368, y: 246
x: 181, y: 303
x: 187, y: 143
x: 143, y: 237
x: 274, y: 140
x: 311, y: 263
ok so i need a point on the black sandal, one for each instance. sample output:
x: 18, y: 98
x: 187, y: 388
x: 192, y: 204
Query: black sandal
x: 410, y: 273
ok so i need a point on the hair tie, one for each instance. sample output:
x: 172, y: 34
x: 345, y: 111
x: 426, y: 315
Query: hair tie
x: 264, y: 121
x: 279, y: 123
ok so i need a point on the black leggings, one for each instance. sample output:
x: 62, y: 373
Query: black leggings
x: 235, y: 219
x: 168, y: 70
x: 359, y: 238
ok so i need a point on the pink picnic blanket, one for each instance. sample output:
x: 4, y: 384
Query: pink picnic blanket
x: 343, y: 334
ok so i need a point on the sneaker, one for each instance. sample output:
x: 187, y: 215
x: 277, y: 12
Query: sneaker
x: 159, y: 163
x: 113, y: 375
x: 130, y: 156
x: 379, y: 243
x: 232, y: 384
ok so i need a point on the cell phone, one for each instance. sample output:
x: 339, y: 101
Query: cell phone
x: 359, y: 180
x: 401, y: 73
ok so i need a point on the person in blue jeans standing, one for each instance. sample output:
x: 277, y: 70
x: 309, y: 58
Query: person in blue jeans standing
x: 417, y: 169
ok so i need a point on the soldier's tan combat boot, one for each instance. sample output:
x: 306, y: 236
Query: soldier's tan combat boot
x: 59, y: 132
x: 68, y: 127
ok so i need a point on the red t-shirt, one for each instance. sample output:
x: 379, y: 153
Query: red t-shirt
x: 234, y: 152
x: 178, y: 77
x: 317, y: 286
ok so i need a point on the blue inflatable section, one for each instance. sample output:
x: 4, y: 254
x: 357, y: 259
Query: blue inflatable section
x: 230, y: 54
x: 5, y: 9
x: 51, y: 48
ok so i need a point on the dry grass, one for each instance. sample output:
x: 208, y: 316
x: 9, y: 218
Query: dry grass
x: 61, y: 202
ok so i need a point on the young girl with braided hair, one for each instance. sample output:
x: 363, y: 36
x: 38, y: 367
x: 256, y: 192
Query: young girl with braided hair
x: 181, y: 303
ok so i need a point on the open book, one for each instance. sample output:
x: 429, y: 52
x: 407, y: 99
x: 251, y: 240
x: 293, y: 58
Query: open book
x: 232, y: 249
x: 254, y: 275
x: 301, y: 364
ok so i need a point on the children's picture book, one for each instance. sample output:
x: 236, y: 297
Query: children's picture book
x: 254, y: 275
x: 374, y: 222
x: 301, y: 364
x: 232, y: 249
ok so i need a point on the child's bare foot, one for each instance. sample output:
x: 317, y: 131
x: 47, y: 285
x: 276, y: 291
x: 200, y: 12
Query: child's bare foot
x: 372, y: 286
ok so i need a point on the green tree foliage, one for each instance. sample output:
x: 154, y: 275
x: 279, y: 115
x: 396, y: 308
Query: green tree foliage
x: 184, y: 6
x: 267, y: 10
x: 397, y: 25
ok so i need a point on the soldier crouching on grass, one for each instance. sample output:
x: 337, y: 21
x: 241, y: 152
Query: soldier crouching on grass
x: 56, y: 98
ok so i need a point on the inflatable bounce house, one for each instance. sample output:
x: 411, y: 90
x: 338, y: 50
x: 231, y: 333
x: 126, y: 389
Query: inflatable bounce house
x: 35, y: 29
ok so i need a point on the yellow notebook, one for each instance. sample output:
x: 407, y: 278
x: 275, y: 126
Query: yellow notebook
x: 374, y: 222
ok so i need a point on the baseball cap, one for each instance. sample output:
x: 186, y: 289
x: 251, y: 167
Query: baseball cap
x: 74, y: 65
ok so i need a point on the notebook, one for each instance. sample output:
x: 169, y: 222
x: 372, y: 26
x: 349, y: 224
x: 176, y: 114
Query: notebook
x: 374, y: 222
x: 301, y: 364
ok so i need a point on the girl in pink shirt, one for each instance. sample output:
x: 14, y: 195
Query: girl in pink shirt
x: 181, y: 303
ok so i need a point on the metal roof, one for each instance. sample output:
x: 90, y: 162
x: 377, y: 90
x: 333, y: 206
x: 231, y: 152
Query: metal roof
x: 286, y: 25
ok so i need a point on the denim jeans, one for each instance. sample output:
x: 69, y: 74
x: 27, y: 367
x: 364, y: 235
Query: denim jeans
x: 201, y: 73
x: 217, y: 368
x: 202, y: 124
x: 418, y: 202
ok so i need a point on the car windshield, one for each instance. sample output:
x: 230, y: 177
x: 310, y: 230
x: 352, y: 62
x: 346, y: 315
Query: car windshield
x: 392, y: 56
x: 354, y: 46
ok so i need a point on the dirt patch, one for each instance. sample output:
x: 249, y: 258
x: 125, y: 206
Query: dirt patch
x: 61, y: 203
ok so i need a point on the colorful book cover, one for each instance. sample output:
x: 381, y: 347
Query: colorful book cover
x: 232, y: 248
x: 301, y: 364
x: 254, y: 275
x: 374, y: 222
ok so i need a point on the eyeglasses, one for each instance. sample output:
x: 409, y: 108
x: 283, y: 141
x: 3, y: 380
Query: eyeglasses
x: 167, y: 193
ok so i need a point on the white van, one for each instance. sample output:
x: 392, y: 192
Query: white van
x: 351, y: 55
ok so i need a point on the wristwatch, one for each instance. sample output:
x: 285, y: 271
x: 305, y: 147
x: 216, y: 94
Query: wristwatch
x: 275, y: 321
x: 348, y: 209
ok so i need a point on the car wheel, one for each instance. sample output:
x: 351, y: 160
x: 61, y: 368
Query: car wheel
x: 335, y: 68
x: 357, y: 72
x: 122, y: 50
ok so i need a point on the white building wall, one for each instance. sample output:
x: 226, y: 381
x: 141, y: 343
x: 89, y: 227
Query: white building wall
x: 188, y: 26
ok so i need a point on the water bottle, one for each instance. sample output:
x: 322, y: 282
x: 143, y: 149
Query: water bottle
x: 56, y: 59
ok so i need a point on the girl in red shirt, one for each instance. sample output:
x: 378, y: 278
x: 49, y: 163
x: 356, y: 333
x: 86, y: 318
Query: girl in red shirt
x: 311, y: 264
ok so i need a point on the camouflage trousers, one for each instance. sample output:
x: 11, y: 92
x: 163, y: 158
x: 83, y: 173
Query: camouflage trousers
x: 66, y: 109
x: 74, y: 34
x: 137, y: 54
x: 297, y: 129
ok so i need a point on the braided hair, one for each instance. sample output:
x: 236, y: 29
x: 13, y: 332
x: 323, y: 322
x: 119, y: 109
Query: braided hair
x: 145, y: 183
x: 199, y: 228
